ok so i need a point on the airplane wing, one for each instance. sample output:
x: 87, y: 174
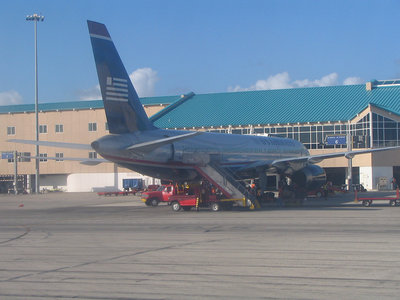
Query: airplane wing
x: 53, y: 144
x: 320, y: 157
x: 283, y: 163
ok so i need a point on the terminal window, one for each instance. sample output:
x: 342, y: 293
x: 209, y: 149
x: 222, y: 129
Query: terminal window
x: 11, y: 130
x: 59, y: 156
x: 92, y: 126
x: 385, y: 131
x: 59, y: 128
x: 43, y: 157
x: 24, y: 157
x: 42, y: 128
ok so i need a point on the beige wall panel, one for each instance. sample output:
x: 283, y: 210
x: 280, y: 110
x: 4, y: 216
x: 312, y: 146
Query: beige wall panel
x: 151, y: 110
x: 387, y: 158
x: 76, y: 130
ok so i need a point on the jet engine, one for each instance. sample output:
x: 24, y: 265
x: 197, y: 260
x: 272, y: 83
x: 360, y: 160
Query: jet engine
x: 311, y: 177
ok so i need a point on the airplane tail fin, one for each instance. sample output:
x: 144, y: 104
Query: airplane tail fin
x: 123, y: 108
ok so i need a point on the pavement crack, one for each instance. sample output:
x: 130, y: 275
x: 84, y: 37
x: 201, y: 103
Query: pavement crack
x: 110, y: 259
x: 27, y: 230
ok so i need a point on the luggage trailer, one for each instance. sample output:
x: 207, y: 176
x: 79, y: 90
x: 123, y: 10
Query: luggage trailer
x: 367, y: 201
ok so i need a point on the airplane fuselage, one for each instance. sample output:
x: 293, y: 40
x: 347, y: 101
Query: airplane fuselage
x: 176, y: 161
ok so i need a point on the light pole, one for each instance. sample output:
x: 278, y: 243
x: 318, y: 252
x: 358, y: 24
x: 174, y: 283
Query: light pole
x: 36, y: 18
x: 349, y: 159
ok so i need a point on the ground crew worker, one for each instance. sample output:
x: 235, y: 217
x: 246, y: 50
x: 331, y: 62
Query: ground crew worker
x: 394, y: 183
x: 325, y: 190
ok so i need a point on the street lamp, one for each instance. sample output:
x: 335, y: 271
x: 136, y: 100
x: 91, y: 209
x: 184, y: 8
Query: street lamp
x: 36, y: 18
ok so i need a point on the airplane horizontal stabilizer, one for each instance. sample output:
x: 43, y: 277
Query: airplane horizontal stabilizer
x: 53, y: 144
x: 151, y: 145
x: 83, y: 161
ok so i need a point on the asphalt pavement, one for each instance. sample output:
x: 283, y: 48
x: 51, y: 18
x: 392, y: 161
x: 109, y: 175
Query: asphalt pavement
x: 83, y: 246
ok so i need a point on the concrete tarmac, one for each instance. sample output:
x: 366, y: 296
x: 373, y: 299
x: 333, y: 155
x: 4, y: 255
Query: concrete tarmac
x: 83, y: 246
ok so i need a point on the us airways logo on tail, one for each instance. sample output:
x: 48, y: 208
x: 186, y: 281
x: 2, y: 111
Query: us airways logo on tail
x: 116, y: 89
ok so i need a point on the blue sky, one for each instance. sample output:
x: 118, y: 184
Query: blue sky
x: 174, y: 47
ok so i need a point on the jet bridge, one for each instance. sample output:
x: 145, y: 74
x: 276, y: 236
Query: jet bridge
x: 226, y: 182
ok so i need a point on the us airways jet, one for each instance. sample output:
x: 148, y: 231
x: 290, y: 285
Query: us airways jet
x: 223, y: 159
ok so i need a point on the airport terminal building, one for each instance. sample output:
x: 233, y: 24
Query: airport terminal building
x: 367, y: 114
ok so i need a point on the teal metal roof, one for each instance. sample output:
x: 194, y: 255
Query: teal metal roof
x: 92, y: 104
x: 318, y: 104
x: 333, y: 103
x: 159, y: 100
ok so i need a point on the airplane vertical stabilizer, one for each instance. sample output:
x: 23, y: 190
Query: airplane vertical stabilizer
x: 123, y: 108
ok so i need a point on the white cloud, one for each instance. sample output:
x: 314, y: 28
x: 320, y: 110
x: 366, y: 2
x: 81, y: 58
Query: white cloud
x: 327, y: 80
x: 353, y: 80
x: 283, y: 81
x: 274, y: 82
x: 91, y: 94
x: 278, y: 81
x: 144, y: 81
x: 10, y: 98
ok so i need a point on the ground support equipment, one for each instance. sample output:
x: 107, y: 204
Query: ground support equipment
x: 367, y: 201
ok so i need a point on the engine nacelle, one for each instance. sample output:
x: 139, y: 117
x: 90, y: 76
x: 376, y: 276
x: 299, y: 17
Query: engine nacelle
x: 311, y: 177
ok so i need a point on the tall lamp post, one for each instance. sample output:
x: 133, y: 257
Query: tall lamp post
x: 349, y: 159
x: 36, y: 18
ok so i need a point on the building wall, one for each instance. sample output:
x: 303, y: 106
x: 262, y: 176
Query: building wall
x: 101, y: 182
x: 370, y: 177
x: 65, y: 175
x: 76, y: 130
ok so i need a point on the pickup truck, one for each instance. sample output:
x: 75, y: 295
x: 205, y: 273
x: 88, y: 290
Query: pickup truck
x: 162, y: 194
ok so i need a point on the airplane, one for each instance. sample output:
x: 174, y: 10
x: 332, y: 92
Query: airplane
x: 223, y: 159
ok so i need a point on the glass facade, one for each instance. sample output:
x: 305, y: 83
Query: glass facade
x: 385, y: 132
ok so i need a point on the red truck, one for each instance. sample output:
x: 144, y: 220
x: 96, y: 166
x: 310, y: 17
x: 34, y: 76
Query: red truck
x: 187, y: 202
x: 180, y: 200
x: 162, y: 194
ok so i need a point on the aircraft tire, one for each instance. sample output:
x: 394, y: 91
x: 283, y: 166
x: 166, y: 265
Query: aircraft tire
x: 366, y: 203
x: 153, y: 201
x: 176, y: 206
x: 215, y: 206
